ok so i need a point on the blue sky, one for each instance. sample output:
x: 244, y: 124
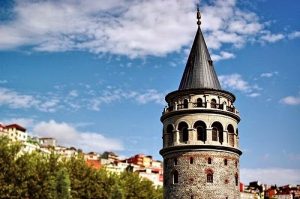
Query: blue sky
x: 94, y: 74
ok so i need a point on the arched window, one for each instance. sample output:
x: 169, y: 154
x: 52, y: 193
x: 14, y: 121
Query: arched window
x: 225, y: 162
x: 236, y: 179
x: 175, y: 161
x: 171, y: 134
x: 175, y: 177
x: 201, y: 133
x: 230, y: 135
x: 185, y: 103
x: 201, y: 130
x: 191, y: 160
x: 185, y: 135
x: 213, y: 103
x: 237, y: 131
x: 210, y: 177
x: 199, y: 102
x: 217, y: 132
x: 209, y: 160
x: 214, y: 134
x: 183, y: 129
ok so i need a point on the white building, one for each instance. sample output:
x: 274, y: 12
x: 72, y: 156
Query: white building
x: 14, y: 132
x: 66, y: 152
x: 47, y: 141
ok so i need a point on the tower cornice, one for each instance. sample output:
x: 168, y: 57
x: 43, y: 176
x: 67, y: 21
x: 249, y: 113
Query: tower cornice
x: 199, y: 110
x: 186, y: 148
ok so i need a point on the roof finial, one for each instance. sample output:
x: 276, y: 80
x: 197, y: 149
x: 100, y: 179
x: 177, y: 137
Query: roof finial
x: 198, y: 16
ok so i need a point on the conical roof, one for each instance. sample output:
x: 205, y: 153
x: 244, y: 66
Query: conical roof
x: 199, y: 72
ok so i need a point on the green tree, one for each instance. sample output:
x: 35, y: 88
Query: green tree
x: 37, y: 175
x: 8, y: 154
x: 63, y: 186
x: 135, y: 187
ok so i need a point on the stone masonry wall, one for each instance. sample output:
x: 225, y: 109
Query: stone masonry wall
x: 192, y: 177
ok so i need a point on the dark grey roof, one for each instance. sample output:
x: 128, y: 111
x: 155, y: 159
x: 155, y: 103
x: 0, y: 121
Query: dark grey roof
x: 199, y: 71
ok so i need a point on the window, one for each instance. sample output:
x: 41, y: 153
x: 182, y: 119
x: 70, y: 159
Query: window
x: 185, y: 103
x: 236, y: 180
x: 230, y: 134
x: 210, y: 178
x: 175, y: 177
x: 170, y: 133
x: 185, y: 135
x: 213, y: 103
x: 225, y: 162
x: 183, y: 130
x: 209, y: 160
x: 191, y: 160
x: 175, y: 161
x: 217, y: 132
x: 236, y: 164
x: 201, y: 130
x: 214, y: 134
x: 200, y: 133
x: 199, y: 102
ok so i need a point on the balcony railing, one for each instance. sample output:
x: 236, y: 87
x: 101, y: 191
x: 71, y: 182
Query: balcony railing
x: 201, y: 105
x: 231, y: 109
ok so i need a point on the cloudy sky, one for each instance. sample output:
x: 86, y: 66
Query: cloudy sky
x: 93, y: 74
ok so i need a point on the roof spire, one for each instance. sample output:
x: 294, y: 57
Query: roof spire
x: 199, y: 72
x: 198, y: 16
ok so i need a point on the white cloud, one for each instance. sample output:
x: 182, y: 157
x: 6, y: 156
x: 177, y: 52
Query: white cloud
x: 67, y: 135
x: 100, y: 26
x: 25, y: 122
x: 269, y: 74
x: 270, y: 37
x: 253, y: 94
x: 291, y: 100
x: 114, y: 94
x: 50, y: 105
x: 236, y: 82
x: 131, y: 28
x: 278, y: 176
x: 150, y: 96
x: 294, y: 35
x: 73, y: 93
x: 16, y: 100
x: 222, y: 55
x: 53, y: 102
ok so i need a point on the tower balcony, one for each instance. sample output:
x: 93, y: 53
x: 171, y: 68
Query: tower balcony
x: 202, y: 106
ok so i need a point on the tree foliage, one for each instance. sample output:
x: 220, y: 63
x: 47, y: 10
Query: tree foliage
x: 35, y: 175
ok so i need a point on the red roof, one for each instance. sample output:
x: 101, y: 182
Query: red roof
x: 94, y: 164
x: 18, y: 127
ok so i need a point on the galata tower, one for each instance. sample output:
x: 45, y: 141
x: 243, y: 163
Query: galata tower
x: 200, y: 133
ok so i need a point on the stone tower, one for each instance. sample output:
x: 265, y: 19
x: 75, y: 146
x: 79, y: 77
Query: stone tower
x: 200, y: 133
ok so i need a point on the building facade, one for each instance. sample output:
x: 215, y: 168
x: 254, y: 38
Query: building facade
x: 200, y: 133
x: 14, y: 132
